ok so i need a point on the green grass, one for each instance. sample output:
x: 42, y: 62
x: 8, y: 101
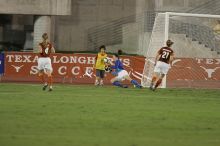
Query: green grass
x: 108, y: 116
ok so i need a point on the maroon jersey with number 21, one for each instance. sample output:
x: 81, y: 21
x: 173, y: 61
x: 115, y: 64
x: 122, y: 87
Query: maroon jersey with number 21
x: 165, y: 54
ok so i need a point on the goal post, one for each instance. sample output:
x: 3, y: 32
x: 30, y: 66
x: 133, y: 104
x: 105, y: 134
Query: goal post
x: 193, y: 37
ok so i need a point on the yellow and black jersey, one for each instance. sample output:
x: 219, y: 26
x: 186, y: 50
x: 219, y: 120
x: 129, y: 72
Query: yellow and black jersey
x: 100, y: 64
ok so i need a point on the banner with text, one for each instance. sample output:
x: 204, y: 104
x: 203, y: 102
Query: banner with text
x: 78, y: 68
x: 67, y: 68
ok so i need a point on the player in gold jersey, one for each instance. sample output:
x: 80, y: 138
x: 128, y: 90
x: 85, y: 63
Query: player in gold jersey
x: 100, y: 66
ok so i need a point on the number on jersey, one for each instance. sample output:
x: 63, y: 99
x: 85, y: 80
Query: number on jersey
x: 165, y: 54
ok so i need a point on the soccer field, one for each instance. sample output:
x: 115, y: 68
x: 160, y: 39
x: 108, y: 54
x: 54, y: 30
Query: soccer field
x: 76, y: 115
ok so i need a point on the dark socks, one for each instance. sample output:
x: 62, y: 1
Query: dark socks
x: 117, y: 83
x: 134, y: 82
x: 158, y: 83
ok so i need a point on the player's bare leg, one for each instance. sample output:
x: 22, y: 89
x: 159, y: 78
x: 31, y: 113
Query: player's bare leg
x: 154, y: 80
x: 50, y: 80
x: 101, y: 82
x: 41, y: 76
x: 159, y: 81
x: 97, y: 81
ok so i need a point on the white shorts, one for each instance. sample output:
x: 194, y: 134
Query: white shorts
x: 44, y: 63
x: 162, y: 67
x: 121, y: 75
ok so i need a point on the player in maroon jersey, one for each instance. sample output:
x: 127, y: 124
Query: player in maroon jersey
x: 44, y: 62
x: 163, y: 62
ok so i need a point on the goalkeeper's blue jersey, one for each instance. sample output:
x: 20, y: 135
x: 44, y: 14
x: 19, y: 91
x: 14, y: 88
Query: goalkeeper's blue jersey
x: 118, y: 66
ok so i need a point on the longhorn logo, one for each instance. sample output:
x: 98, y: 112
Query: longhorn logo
x: 88, y: 73
x: 209, y: 71
x: 17, y: 68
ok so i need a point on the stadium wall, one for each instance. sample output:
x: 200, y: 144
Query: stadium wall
x: 36, y: 7
x: 78, y: 69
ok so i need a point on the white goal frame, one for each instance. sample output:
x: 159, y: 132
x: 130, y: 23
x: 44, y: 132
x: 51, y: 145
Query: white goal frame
x: 166, y: 35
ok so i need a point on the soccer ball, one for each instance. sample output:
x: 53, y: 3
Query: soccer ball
x: 108, y: 69
x: 106, y: 60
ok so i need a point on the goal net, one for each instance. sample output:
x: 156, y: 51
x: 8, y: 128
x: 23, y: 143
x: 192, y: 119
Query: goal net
x: 196, y: 38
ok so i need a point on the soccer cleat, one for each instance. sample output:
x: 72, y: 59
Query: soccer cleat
x: 139, y: 86
x: 101, y: 83
x: 152, y: 88
x: 45, y: 87
x: 96, y: 83
x: 50, y: 89
x: 136, y: 84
